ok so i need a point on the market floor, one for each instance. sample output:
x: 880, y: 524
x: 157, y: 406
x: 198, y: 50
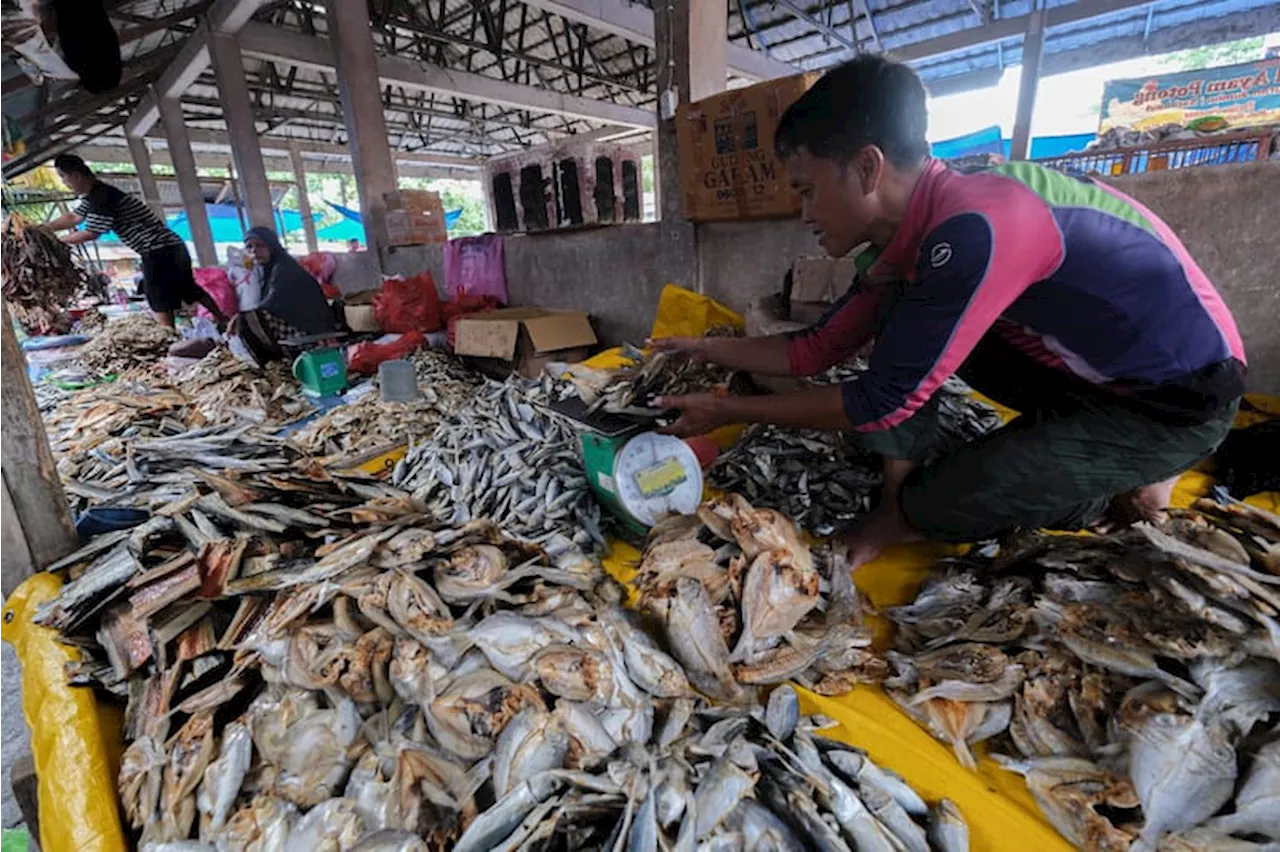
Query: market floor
x: 17, y: 739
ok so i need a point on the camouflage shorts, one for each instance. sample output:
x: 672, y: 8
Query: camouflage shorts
x: 1057, y: 465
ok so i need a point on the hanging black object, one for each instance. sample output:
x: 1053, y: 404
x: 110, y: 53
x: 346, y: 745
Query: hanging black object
x: 88, y: 43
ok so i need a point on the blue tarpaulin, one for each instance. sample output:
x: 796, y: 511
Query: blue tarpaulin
x: 985, y: 141
x: 989, y: 141
x: 224, y: 220
x: 351, y: 225
x: 1044, y: 147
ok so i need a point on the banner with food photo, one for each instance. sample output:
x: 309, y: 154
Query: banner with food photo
x: 1213, y: 99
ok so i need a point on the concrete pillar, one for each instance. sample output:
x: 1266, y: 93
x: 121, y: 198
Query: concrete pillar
x: 304, y: 201
x: 361, y: 97
x: 690, y: 41
x: 142, y: 165
x: 237, y: 111
x: 184, y: 168
x: 1032, y: 48
x: 35, y: 526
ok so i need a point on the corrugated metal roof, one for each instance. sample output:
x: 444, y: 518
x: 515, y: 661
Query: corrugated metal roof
x: 529, y: 46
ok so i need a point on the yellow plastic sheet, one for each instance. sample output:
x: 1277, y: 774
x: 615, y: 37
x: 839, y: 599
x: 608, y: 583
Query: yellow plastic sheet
x: 996, y: 804
x: 74, y: 746
x: 684, y: 313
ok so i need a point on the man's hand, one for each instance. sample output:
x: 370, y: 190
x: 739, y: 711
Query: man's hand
x: 693, y: 346
x: 700, y: 413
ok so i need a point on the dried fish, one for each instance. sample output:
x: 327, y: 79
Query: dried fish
x: 40, y: 277
x: 1148, y: 650
x: 824, y: 480
x: 764, y: 593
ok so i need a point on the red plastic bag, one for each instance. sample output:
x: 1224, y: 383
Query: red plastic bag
x: 408, y: 304
x: 321, y: 265
x: 364, y: 358
x: 215, y: 281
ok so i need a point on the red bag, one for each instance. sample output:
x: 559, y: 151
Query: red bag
x: 215, y: 281
x: 321, y: 265
x: 408, y: 304
x: 365, y: 357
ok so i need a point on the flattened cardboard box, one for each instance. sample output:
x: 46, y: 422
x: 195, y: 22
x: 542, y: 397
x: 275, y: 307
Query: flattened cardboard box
x: 419, y: 220
x: 524, y: 338
x: 727, y: 166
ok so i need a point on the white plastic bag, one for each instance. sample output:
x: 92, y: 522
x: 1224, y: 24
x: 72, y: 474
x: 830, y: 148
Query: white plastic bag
x: 200, y: 328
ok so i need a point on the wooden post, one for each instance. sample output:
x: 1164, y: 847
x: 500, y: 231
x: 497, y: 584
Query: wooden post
x: 37, y: 527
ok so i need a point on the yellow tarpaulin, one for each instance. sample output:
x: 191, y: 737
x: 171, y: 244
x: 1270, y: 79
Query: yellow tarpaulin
x: 684, y: 313
x: 74, y: 741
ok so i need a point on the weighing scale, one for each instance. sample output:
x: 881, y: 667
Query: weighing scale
x: 635, y: 473
x: 321, y: 371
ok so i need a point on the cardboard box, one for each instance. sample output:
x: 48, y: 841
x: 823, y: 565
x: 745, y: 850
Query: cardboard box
x: 417, y: 220
x: 523, y: 339
x: 357, y: 309
x: 821, y: 279
x: 727, y: 167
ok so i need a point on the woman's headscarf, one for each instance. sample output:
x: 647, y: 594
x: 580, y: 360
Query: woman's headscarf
x: 289, y: 292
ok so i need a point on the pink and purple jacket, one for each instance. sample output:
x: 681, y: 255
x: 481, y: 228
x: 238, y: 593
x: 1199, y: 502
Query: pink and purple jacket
x: 1078, y: 276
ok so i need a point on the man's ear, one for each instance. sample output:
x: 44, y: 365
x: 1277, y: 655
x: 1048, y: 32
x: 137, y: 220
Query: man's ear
x: 868, y: 164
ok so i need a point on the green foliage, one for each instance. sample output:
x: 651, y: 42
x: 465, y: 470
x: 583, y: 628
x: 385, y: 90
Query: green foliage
x: 1214, y: 55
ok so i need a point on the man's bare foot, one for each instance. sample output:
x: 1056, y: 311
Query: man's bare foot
x: 866, y: 539
x: 1147, y: 503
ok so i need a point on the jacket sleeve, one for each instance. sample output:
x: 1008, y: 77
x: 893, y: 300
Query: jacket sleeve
x: 840, y: 333
x: 965, y: 279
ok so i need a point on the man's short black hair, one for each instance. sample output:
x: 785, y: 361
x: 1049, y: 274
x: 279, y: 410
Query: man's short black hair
x: 72, y: 165
x: 866, y: 101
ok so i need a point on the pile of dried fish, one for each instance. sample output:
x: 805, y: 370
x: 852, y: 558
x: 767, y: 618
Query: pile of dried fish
x: 1135, y: 675
x: 743, y: 601
x: 824, y: 480
x: 507, y: 459
x: 222, y: 387
x: 40, y: 277
x: 310, y: 663
x: 650, y: 376
x: 446, y: 386
x: 444, y: 379
x: 126, y: 343
x: 368, y: 424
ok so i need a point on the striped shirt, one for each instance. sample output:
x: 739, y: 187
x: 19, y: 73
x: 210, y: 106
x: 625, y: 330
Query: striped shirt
x: 106, y: 208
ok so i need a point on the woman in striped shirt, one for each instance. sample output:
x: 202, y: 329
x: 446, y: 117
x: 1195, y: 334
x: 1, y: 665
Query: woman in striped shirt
x: 168, y: 281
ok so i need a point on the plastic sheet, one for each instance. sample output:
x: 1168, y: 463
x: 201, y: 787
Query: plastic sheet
x: 74, y: 743
x: 684, y: 313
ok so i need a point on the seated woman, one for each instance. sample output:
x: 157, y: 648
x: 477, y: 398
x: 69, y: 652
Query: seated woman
x: 292, y: 303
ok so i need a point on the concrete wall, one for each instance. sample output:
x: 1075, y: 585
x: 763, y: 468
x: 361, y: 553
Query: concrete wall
x: 608, y: 272
x: 1227, y: 216
x: 740, y: 261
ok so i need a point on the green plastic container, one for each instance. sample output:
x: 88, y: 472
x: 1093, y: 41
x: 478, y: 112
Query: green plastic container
x: 322, y: 372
